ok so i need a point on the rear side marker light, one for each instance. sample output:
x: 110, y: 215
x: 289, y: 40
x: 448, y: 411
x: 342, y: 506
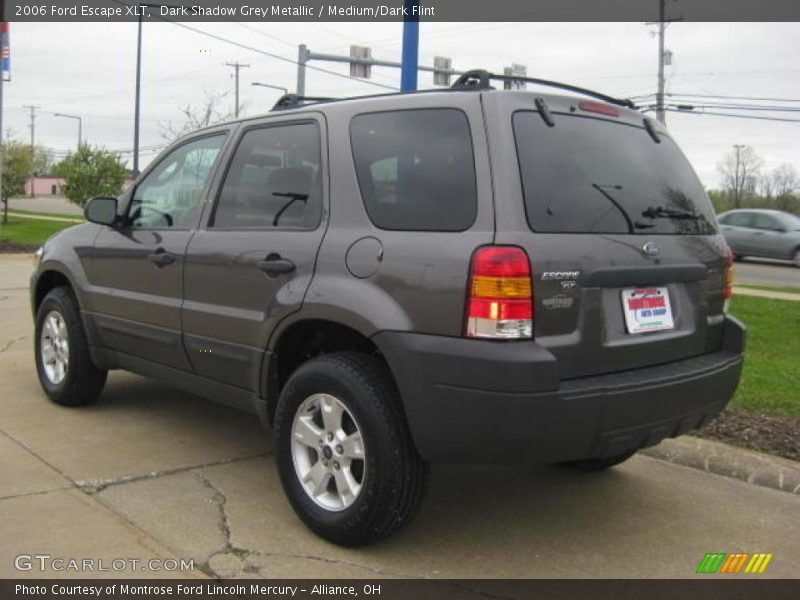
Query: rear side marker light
x: 499, y: 294
x: 599, y: 108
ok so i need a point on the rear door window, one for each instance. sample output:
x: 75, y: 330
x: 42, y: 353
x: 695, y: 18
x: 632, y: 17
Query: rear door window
x: 416, y: 169
x: 587, y: 175
x: 274, y: 180
x: 762, y: 221
x: 740, y: 219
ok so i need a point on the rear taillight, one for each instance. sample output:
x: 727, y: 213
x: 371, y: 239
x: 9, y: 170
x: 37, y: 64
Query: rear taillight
x: 499, y: 294
x: 727, y: 290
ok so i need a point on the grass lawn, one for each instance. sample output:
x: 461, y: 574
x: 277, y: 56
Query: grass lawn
x: 771, y: 378
x: 46, y: 214
x: 29, y: 231
x: 771, y: 288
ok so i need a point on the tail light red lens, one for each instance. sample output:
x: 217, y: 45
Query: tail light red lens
x: 728, y: 275
x: 499, y: 294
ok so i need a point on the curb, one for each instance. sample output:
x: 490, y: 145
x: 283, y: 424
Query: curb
x: 721, y: 459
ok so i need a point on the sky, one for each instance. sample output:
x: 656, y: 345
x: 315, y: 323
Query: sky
x: 88, y: 69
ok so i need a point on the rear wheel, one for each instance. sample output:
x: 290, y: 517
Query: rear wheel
x: 600, y: 464
x: 796, y: 258
x: 63, y: 364
x: 345, y: 456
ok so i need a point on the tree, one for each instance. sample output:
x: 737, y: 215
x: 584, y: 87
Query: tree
x: 740, y: 169
x: 208, y: 113
x: 42, y: 161
x: 90, y: 172
x: 16, y: 158
x: 784, y: 186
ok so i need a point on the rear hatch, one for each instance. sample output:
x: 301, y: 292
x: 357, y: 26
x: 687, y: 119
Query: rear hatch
x: 627, y: 262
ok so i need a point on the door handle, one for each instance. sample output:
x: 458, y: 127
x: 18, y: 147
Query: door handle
x: 274, y: 265
x: 161, y: 258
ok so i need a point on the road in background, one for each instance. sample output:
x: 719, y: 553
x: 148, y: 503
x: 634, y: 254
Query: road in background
x: 766, y: 272
x: 45, y: 204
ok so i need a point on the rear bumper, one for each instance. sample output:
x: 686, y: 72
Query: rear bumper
x: 471, y: 401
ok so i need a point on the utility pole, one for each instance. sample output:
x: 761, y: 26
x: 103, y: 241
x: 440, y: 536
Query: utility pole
x: 664, y: 57
x: 662, y: 25
x: 32, y: 126
x: 236, y: 66
x: 737, y: 179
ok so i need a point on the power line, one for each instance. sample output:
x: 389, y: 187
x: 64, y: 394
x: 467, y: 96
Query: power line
x: 734, y: 116
x: 747, y: 107
x: 733, y: 97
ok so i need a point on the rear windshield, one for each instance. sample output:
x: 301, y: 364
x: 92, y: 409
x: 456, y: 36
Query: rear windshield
x: 587, y: 175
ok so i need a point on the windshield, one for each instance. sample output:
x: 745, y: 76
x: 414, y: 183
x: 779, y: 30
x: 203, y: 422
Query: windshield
x: 587, y: 175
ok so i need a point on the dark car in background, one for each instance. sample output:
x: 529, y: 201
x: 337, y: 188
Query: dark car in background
x: 762, y: 233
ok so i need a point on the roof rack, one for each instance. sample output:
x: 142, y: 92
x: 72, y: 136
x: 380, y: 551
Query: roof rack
x: 294, y: 101
x: 479, y: 79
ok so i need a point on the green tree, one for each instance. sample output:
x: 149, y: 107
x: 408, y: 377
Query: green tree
x: 90, y: 172
x: 16, y: 168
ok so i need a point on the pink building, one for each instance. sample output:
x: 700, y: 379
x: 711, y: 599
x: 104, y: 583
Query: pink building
x: 51, y: 186
x: 44, y: 186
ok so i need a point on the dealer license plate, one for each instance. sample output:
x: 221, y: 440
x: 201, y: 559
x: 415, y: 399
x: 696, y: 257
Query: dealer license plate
x: 647, y: 309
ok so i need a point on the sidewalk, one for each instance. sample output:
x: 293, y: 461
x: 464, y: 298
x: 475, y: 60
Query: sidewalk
x: 19, y: 215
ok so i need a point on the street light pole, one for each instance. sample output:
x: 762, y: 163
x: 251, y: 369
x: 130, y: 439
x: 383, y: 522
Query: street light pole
x: 269, y: 85
x: 137, y: 109
x: 80, y: 125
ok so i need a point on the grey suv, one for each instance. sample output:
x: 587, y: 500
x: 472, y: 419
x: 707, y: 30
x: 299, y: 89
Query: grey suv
x: 467, y: 275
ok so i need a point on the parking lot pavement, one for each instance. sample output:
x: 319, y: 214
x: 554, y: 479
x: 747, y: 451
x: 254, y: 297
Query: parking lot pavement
x: 150, y: 472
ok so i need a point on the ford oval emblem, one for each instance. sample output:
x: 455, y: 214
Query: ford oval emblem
x: 651, y: 249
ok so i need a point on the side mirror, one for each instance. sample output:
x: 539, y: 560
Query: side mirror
x: 101, y: 210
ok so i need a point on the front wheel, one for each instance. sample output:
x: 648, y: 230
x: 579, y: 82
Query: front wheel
x: 63, y: 364
x: 796, y: 258
x: 345, y: 456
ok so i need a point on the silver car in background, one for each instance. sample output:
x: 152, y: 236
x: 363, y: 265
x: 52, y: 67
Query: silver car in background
x: 763, y: 233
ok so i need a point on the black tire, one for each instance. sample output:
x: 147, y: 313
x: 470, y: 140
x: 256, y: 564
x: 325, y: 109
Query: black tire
x: 82, y: 381
x: 394, y: 476
x: 600, y: 464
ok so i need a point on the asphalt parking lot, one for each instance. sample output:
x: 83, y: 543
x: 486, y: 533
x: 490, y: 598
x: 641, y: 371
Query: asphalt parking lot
x: 150, y: 472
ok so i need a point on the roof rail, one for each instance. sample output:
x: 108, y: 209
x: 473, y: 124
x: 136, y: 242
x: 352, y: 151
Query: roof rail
x: 294, y: 101
x: 479, y: 79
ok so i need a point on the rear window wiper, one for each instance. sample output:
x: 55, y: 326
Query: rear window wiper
x: 664, y: 212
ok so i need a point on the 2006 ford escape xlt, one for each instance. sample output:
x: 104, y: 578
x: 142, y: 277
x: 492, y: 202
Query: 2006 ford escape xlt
x: 466, y: 275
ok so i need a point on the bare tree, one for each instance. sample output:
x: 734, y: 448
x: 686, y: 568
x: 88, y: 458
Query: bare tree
x: 785, y: 185
x: 739, y: 170
x: 196, y: 117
